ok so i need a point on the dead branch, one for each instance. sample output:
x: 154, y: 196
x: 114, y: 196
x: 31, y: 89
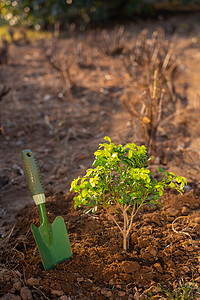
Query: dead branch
x: 150, y: 61
x: 60, y: 63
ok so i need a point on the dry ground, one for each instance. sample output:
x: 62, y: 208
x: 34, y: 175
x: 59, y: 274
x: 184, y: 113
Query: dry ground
x: 63, y: 135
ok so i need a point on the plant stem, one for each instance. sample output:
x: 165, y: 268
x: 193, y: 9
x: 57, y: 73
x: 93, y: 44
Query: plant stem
x: 113, y: 218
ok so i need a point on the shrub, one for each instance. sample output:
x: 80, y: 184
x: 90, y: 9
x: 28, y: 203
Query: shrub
x: 120, y: 182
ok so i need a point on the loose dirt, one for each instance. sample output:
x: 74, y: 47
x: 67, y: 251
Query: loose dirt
x: 63, y: 136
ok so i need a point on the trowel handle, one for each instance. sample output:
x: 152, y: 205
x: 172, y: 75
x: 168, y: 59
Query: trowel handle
x: 32, y: 173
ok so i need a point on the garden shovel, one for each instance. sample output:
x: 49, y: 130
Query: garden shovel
x: 52, y: 239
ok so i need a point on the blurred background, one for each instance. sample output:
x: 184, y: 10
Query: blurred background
x: 41, y: 14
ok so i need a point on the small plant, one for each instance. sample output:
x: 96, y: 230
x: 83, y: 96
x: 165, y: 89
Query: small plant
x: 121, y: 183
x: 184, y: 291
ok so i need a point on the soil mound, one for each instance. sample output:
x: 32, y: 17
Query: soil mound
x: 164, y: 250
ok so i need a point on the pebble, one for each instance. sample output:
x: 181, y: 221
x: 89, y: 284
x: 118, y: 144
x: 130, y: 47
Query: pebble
x: 173, y: 212
x: 111, y: 282
x: 196, y: 205
x: 109, y: 294
x: 186, y: 269
x: 121, y: 294
x: 16, y: 287
x: 104, y: 291
x: 185, y: 210
x: 26, y: 293
x: 80, y: 279
x: 64, y: 297
x: 197, y: 227
x: 118, y: 286
x: 33, y: 281
x: 134, y: 237
x: 197, y: 220
x: 57, y: 293
x: 158, y: 267
x: 10, y: 296
x: 153, y: 251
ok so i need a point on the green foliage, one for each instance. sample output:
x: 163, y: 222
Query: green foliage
x: 120, y: 176
x: 120, y: 180
x: 42, y: 13
x: 184, y: 291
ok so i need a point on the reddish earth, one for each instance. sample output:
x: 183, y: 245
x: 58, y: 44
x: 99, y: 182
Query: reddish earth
x: 63, y: 135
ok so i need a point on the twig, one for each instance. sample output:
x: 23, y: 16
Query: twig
x: 6, y: 238
x: 110, y: 215
x: 41, y: 292
x: 180, y: 232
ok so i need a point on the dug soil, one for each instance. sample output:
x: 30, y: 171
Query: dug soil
x: 63, y: 129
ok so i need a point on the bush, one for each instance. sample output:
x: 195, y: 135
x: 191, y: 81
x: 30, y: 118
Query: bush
x: 120, y: 182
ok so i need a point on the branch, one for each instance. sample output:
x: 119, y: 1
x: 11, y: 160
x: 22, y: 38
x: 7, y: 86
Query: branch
x: 113, y: 218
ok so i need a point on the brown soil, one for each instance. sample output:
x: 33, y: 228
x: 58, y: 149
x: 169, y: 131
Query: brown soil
x: 63, y: 136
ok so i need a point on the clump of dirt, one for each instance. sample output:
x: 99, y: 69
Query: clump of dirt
x: 164, y: 248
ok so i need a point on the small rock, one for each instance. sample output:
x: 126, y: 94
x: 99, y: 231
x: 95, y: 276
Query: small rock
x: 187, y: 188
x: 169, y: 226
x: 156, y: 219
x: 64, y: 297
x: 197, y: 220
x: 17, y: 285
x: 80, y: 279
x: 121, y: 294
x: 33, y: 281
x: 185, y: 210
x: 134, y: 237
x: 186, y: 269
x: 111, y: 282
x: 118, y: 286
x: 158, y: 267
x: 196, y: 205
x: 57, y: 293
x: 143, y: 242
x: 109, y: 294
x: 173, y: 212
x: 152, y: 250
x: 130, y: 266
x: 104, y: 291
x: 10, y: 296
x: 47, y: 97
x: 197, y: 228
x: 26, y: 293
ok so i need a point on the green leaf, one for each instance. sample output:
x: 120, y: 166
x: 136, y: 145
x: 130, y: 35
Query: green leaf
x: 130, y: 154
x: 106, y: 138
x: 160, y: 169
x: 153, y: 205
x: 84, y: 193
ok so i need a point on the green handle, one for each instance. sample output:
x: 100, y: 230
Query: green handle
x: 32, y: 173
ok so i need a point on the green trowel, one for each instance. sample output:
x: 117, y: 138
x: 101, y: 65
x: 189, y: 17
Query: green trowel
x: 52, y: 239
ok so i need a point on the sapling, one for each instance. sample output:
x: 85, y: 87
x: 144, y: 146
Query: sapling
x: 120, y: 183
